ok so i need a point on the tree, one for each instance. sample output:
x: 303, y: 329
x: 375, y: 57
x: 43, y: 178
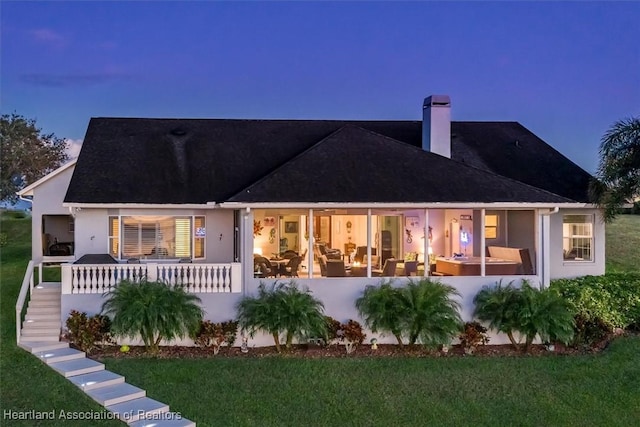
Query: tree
x: 26, y: 154
x: 618, y: 176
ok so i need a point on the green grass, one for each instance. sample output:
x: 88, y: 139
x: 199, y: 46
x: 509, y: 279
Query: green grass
x: 529, y: 391
x: 623, y: 244
x: 26, y: 383
x: 552, y: 390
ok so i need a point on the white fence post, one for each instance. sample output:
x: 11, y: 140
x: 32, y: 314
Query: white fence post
x: 66, y: 277
x: 236, y: 277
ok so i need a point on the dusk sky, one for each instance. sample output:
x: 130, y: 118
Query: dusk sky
x: 565, y: 70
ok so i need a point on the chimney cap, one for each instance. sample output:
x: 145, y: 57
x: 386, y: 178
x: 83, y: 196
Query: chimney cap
x: 437, y: 101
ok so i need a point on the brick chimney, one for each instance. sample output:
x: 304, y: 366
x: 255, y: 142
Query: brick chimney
x: 436, y: 125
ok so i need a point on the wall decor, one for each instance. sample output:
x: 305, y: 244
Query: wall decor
x: 412, y: 221
x: 290, y: 227
x: 269, y: 221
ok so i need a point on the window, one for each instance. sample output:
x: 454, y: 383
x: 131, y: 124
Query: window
x: 157, y: 237
x: 491, y: 226
x: 114, y: 236
x: 577, y: 237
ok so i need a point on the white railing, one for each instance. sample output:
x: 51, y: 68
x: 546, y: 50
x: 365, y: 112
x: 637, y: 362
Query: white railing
x: 194, y: 278
x: 27, y: 285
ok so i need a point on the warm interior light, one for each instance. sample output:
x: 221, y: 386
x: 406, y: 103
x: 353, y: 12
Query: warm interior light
x: 257, y: 251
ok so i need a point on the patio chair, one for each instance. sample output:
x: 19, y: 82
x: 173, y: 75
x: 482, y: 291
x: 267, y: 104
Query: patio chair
x: 291, y: 268
x: 328, y: 252
x: 410, y: 268
x: 389, y: 269
x: 336, y: 268
x: 262, y: 266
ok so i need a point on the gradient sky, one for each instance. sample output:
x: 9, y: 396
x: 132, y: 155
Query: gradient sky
x: 566, y: 71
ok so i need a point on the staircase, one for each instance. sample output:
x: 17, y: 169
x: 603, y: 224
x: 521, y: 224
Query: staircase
x: 40, y: 335
x: 42, y: 321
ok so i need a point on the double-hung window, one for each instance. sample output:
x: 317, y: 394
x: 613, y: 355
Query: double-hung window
x: 577, y: 237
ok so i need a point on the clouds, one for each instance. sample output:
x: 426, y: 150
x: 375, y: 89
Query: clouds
x: 73, y: 147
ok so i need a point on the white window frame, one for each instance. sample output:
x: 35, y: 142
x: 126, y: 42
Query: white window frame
x: 192, y: 238
x: 568, y: 246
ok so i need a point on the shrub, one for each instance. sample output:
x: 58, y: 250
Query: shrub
x: 422, y: 310
x: 473, y: 334
x: 216, y: 335
x: 87, y: 333
x: 527, y: 310
x: 154, y: 311
x: 382, y: 309
x: 352, y: 335
x: 613, y: 299
x: 430, y: 315
x: 3, y: 240
x: 282, y: 308
x: 333, y: 330
x: 588, y: 331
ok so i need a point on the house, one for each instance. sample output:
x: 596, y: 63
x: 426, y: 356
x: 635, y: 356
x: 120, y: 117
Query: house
x: 199, y: 201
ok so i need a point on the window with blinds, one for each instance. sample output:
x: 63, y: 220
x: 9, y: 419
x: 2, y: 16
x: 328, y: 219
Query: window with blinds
x: 114, y: 236
x: 577, y: 237
x: 157, y: 237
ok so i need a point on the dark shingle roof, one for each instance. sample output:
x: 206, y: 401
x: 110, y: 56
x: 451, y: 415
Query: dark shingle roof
x: 357, y: 165
x: 131, y: 160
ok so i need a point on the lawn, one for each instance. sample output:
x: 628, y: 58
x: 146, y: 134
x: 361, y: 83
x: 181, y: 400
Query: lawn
x: 550, y: 390
x: 623, y: 244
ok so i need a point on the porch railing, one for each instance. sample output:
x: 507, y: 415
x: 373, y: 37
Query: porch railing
x: 194, y: 278
x: 26, y: 288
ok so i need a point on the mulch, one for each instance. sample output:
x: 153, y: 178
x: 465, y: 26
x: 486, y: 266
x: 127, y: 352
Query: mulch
x: 313, y: 351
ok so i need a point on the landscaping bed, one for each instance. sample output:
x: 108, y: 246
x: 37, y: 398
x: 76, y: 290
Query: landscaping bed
x: 311, y: 351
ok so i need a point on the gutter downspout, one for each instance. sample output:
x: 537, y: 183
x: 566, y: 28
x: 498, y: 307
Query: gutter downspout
x: 545, y: 247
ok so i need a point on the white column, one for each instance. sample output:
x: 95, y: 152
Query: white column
x: 368, y: 242
x: 310, y: 250
x: 427, y: 245
x: 483, y: 250
x: 65, y: 277
x: 546, y: 256
x: 236, y: 277
x: 152, y: 271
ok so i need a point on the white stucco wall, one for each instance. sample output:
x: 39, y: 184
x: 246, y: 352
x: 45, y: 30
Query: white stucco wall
x: 47, y: 200
x: 560, y: 268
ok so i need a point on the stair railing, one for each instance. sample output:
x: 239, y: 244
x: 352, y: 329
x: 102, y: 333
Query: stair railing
x: 27, y: 286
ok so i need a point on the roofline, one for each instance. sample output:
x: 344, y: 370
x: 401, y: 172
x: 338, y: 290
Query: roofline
x: 28, y: 190
x: 403, y: 205
x: 331, y: 205
x: 208, y: 205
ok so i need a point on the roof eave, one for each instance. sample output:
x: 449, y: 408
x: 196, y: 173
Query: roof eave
x: 28, y: 190
x: 404, y: 205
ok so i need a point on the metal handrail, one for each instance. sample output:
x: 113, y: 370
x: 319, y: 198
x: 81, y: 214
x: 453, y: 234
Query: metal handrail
x: 27, y: 285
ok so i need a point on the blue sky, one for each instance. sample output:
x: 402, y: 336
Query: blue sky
x: 565, y: 70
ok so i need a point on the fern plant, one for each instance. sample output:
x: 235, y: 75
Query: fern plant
x: 431, y: 315
x: 527, y: 310
x: 152, y: 310
x: 499, y: 306
x: 282, y: 308
x: 382, y: 309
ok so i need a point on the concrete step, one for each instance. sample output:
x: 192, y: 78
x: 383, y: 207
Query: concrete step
x: 38, y: 346
x: 30, y: 330
x: 55, y: 316
x: 41, y: 323
x: 48, y: 287
x: 96, y: 380
x: 45, y: 303
x: 167, y: 419
x: 43, y: 310
x: 114, y: 394
x: 59, y: 355
x: 45, y: 295
x: 138, y: 409
x: 72, y: 368
x: 52, y: 338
